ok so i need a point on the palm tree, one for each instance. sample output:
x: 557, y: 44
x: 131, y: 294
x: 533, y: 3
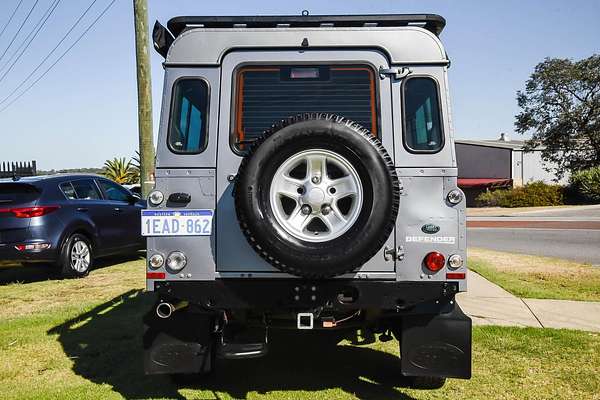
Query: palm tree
x: 135, y: 168
x: 118, y: 170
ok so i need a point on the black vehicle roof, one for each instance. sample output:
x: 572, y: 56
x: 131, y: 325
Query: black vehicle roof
x: 432, y: 22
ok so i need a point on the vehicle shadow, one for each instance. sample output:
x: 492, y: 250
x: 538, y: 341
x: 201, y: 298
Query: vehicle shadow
x: 105, y: 345
x: 30, y: 273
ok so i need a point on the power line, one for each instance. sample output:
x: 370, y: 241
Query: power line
x: 11, y: 17
x: 61, y: 56
x: 19, y: 30
x: 25, y: 40
x: 49, y: 54
x: 38, y: 27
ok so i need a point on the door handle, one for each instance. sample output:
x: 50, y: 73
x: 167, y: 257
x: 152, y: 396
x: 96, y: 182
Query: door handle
x: 117, y: 209
x: 82, y: 209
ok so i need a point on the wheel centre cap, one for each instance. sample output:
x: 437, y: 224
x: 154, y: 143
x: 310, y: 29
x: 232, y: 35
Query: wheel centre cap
x: 315, y: 197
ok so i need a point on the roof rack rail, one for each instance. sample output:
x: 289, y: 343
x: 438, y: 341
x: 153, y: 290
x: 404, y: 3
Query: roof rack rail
x: 432, y: 22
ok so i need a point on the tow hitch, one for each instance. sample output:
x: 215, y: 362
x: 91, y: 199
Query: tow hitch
x: 305, y: 320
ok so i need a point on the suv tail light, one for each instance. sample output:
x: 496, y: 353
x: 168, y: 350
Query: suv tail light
x: 435, y: 261
x: 30, y: 212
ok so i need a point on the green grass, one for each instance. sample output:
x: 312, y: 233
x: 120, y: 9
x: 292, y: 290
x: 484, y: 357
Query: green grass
x: 537, y: 277
x: 81, y: 339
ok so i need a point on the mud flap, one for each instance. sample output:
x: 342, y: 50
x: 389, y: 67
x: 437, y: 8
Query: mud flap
x: 437, y: 345
x: 181, y: 344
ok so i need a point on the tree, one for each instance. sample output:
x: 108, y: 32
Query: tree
x: 561, y: 109
x: 119, y: 171
x: 135, y: 168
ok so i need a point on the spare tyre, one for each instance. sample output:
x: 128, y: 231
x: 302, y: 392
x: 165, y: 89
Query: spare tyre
x: 317, y: 195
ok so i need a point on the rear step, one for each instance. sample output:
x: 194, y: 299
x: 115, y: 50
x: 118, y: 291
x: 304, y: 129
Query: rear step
x: 242, y: 342
x: 234, y: 351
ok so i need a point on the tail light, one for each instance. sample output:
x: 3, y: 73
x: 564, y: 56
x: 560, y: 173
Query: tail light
x: 435, y: 261
x: 30, y: 212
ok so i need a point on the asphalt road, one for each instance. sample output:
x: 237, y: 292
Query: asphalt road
x: 572, y: 234
x: 571, y: 244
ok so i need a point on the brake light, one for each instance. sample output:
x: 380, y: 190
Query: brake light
x: 435, y: 261
x: 30, y: 212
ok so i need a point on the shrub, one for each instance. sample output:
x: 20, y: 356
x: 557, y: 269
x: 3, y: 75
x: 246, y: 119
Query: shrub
x: 533, y: 194
x: 586, y: 184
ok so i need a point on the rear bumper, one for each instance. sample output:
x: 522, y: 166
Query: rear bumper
x: 295, y: 294
x: 9, y: 253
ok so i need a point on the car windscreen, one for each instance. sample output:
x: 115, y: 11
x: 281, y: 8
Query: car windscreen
x: 267, y: 94
x: 17, y: 193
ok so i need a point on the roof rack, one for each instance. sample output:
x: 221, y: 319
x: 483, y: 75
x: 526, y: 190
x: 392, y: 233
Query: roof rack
x: 431, y: 22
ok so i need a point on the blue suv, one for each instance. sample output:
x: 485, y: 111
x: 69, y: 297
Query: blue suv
x: 67, y: 221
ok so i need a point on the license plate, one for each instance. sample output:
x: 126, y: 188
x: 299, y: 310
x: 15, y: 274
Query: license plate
x: 177, y: 222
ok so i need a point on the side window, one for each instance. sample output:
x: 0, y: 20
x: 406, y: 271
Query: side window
x: 189, y: 115
x: 422, y: 125
x: 85, y: 189
x: 113, y: 191
x: 68, y: 190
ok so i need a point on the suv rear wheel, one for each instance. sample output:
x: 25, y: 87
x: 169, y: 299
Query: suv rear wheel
x: 317, y: 195
x: 76, y: 257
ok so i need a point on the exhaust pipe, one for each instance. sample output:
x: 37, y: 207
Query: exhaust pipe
x: 164, y: 310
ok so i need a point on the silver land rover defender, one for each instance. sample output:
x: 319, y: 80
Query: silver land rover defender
x: 305, y: 179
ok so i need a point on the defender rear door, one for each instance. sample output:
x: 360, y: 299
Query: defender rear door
x: 234, y: 256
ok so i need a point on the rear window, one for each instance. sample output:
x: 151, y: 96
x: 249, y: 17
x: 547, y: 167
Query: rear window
x: 187, y: 128
x: 422, y: 126
x: 15, y: 193
x: 268, y: 94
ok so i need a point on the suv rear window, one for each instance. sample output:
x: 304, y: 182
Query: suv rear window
x: 15, y: 193
x: 189, y: 112
x: 268, y: 94
x: 422, y: 127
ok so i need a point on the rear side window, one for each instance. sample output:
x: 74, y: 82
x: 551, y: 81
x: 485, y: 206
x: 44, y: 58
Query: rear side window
x: 85, y: 189
x: 17, y: 193
x: 267, y: 94
x: 113, y: 191
x: 422, y: 126
x: 68, y: 190
x: 189, y: 116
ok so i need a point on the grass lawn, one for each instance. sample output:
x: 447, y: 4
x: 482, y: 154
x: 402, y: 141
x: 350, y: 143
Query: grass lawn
x: 537, y: 277
x: 81, y: 339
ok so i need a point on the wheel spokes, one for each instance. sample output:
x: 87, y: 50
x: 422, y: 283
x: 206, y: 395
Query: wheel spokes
x: 289, y: 187
x: 298, y: 220
x: 343, y: 187
x: 316, y: 165
x: 334, y: 221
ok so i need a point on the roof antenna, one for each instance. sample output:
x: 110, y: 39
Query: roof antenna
x: 305, y: 13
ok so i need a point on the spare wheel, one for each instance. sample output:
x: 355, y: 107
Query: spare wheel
x: 317, y: 196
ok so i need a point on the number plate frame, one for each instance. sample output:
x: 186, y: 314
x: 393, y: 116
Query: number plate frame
x: 177, y: 222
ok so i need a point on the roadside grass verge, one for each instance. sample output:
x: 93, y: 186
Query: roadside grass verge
x: 537, y: 277
x: 81, y: 339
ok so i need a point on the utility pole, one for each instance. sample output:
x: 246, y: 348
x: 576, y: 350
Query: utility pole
x: 140, y: 14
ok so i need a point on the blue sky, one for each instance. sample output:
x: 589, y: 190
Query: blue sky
x: 84, y: 110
